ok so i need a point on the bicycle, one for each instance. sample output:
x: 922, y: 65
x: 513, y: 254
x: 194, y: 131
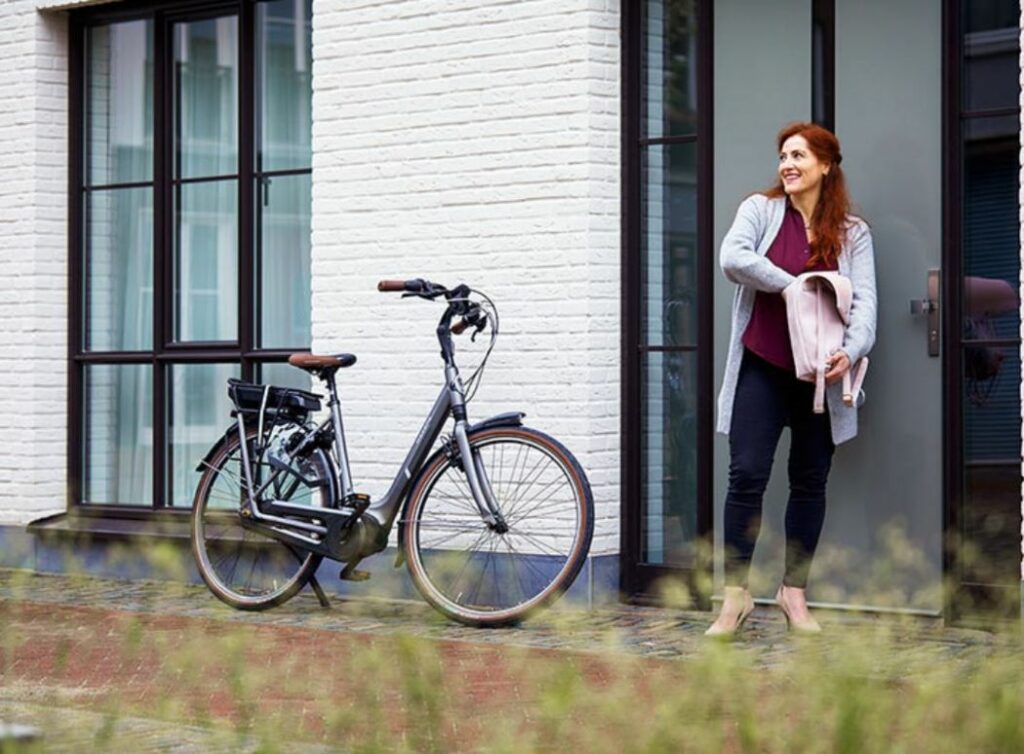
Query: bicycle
x: 494, y: 524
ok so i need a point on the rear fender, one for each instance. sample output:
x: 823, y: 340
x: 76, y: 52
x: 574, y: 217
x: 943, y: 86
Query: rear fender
x: 230, y: 432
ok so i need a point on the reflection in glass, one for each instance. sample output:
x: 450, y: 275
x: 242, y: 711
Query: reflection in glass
x: 990, y: 15
x: 206, y: 97
x: 284, y: 259
x: 991, y: 306
x: 119, y: 270
x: 119, y: 103
x: 991, y: 52
x: 284, y: 84
x: 669, y: 237
x: 284, y: 375
x: 200, y: 410
x: 991, y: 260
x: 118, y: 435
x: 206, y: 261
x: 992, y: 452
x: 670, y: 69
x: 669, y: 458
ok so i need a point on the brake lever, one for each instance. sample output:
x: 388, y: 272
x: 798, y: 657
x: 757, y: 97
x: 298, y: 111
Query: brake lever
x: 480, y: 325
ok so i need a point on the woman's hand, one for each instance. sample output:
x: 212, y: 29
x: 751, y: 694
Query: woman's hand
x: 838, y: 365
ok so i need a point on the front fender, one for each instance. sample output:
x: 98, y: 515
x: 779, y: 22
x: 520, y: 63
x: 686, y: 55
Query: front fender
x: 507, y: 419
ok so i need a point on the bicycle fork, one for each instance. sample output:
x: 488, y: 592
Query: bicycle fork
x: 472, y: 464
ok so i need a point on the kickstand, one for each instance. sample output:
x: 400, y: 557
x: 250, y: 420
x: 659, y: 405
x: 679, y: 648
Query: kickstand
x: 319, y: 590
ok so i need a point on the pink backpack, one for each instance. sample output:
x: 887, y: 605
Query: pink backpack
x: 818, y: 310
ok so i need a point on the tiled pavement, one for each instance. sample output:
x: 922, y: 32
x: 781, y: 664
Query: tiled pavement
x: 644, y: 631
x: 85, y: 643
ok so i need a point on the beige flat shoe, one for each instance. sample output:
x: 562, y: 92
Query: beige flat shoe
x: 727, y: 632
x: 809, y: 626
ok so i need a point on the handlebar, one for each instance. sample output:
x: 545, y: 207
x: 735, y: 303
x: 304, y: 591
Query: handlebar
x: 404, y: 286
x: 472, y: 316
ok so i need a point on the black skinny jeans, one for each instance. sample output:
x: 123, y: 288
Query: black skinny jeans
x: 767, y: 399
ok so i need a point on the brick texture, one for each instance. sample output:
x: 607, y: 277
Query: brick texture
x: 477, y: 143
x: 33, y: 260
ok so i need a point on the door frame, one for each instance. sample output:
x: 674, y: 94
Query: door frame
x: 637, y: 579
x: 957, y: 594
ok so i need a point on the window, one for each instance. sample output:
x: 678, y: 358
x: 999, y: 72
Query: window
x: 667, y: 266
x: 191, y: 168
x: 987, y: 476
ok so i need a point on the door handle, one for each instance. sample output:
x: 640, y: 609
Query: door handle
x: 930, y: 307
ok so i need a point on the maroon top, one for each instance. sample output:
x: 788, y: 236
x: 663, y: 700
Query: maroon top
x: 767, y: 335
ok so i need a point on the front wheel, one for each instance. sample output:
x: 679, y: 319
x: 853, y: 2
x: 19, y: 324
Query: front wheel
x: 483, y: 575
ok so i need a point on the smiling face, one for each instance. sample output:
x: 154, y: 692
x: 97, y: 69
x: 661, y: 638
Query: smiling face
x: 799, y: 168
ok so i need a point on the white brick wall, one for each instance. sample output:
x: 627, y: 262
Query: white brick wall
x: 472, y: 142
x: 458, y: 141
x: 33, y: 262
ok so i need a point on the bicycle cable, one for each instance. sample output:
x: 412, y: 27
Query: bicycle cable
x: 472, y: 383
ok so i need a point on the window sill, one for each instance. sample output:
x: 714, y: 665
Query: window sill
x: 75, y: 526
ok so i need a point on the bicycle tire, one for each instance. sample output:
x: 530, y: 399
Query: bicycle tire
x: 553, y: 532
x: 220, y: 543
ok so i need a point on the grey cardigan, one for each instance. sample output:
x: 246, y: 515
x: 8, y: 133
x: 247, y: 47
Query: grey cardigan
x: 743, y: 261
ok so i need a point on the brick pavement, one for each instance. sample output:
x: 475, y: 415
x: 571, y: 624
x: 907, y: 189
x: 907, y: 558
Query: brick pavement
x: 132, y: 659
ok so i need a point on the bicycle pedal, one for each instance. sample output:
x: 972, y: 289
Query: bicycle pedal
x: 350, y: 573
x: 357, y: 500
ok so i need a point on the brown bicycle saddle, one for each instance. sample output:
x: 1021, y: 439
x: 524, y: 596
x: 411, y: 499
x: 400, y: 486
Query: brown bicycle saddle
x: 312, y: 361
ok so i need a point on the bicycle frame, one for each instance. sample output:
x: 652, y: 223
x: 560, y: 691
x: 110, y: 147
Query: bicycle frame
x: 330, y: 524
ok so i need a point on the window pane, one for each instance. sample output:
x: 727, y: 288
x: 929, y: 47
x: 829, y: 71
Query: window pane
x: 206, y: 97
x: 669, y: 458
x: 206, y: 262
x: 987, y: 15
x: 119, y: 270
x: 991, y: 224
x: 119, y: 103
x: 200, y: 410
x: 669, y: 245
x: 670, y: 69
x: 285, y: 375
x: 119, y: 435
x: 284, y: 260
x: 284, y: 84
x: 990, y: 512
x: 991, y: 45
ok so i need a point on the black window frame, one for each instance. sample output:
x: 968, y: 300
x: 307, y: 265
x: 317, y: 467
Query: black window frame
x: 244, y: 351
x: 965, y: 601
x: 638, y: 579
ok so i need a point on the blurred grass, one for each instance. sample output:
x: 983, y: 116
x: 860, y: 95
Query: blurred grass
x: 888, y: 685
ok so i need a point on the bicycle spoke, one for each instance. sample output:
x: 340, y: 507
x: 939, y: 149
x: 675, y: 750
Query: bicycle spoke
x: 471, y: 571
x: 251, y: 567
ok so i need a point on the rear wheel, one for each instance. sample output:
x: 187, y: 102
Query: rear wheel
x: 482, y: 575
x: 244, y: 568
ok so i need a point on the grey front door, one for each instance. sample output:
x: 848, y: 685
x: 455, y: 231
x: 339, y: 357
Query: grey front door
x: 882, y: 546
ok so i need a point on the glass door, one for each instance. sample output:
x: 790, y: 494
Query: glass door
x: 984, y: 178
x: 667, y: 262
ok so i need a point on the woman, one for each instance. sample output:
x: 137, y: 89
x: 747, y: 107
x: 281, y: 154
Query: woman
x: 802, y: 223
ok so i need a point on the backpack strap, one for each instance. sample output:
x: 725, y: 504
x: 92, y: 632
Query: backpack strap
x: 853, y: 380
x: 819, y: 372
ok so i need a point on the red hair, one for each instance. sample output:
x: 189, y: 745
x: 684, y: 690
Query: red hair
x: 830, y: 218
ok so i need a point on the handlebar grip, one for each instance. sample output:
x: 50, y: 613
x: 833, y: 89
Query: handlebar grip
x: 391, y: 286
x: 460, y: 327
